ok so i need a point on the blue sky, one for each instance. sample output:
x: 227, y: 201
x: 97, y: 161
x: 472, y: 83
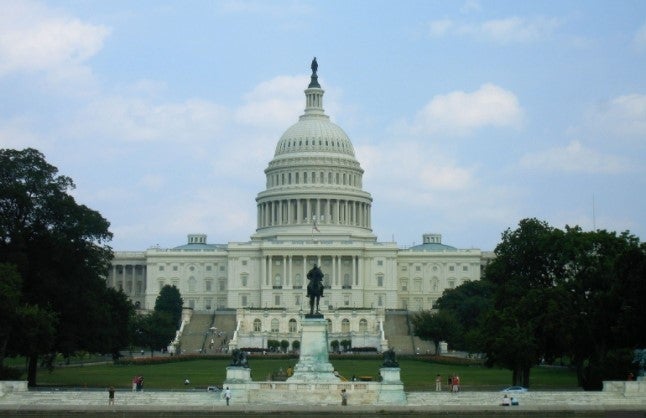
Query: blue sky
x: 466, y: 116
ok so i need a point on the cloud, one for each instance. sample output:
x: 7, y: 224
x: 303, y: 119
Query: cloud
x: 503, y: 31
x: 460, y: 113
x: 624, y: 115
x: 274, y: 104
x: 574, y: 157
x: 139, y: 119
x: 35, y: 38
x: 639, y: 40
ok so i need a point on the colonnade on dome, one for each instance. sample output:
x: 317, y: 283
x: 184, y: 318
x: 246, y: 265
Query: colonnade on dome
x: 322, y: 211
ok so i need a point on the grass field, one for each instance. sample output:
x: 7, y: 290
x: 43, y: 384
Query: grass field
x: 416, y: 374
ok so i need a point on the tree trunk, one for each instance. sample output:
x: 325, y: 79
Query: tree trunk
x: 32, y: 368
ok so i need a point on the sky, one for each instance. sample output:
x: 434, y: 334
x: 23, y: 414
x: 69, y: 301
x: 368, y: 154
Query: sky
x: 467, y: 116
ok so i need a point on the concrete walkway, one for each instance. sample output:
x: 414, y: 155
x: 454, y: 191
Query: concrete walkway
x: 54, y: 403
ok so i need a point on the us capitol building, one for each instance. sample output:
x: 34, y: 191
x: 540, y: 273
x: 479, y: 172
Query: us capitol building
x: 314, y: 210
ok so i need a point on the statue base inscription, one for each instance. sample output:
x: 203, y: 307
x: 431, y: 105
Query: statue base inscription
x: 314, y: 362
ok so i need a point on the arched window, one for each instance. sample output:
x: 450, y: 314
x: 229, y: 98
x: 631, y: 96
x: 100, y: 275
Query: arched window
x: 345, y: 325
x: 191, y: 284
x: 292, y: 325
x: 363, y: 325
x: 257, y: 325
x: 274, y: 325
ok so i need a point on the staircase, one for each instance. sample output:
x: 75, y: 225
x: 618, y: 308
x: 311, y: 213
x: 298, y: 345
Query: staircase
x: 204, y: 328
x: 399, y: 334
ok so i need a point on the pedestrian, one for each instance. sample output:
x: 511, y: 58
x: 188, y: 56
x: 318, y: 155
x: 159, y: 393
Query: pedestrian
x: 344, y: 397
x: 111, y: 395
x: 227, y: 394
x: 456, y: 383
x: 135, y: 380
x: 438, y: 383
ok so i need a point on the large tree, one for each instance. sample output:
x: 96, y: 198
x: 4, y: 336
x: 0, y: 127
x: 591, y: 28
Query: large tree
x: 436, y: 327
x: 170, y: 301
x: 565, y: 293
x: 60, y: 250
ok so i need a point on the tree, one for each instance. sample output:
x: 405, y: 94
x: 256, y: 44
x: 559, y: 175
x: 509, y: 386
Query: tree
x: 468, y: 304
x: 436, y: 327
x: 154, y: 331
x: 10, y: 295
x: 59, y: 248
x: 565, y: 293
x: 170, y: 301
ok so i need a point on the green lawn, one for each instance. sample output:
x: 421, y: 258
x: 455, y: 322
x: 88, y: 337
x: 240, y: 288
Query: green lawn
x: 417, y: 375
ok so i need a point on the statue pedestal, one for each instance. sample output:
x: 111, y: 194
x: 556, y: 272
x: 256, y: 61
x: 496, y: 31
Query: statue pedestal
x: 314, y: 362
x: 238, y: 375
x: 392, y: 388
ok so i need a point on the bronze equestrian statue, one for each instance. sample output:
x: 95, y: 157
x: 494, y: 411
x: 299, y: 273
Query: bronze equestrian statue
x: 315, y: 288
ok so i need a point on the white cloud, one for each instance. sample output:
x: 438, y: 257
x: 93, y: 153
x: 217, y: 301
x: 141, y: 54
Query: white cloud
x: 624, y: 115
x: 504, y: 31
x: 35, y: 38
x: 137, y: 119
x: 639, y: 40
x: 460, y: 113
x: 274, y: 104
x: 574, y: 157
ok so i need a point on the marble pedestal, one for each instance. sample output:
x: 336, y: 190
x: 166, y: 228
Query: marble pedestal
x: 314, y: 362
x: 392, y: 388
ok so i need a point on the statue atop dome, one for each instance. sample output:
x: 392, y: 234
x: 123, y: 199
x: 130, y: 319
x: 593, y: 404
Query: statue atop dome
x: 314, y: 66
x: 314, y: 82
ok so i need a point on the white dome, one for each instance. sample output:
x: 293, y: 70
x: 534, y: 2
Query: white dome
x: 314, y: 133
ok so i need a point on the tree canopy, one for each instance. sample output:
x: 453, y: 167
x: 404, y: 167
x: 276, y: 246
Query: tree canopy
x: 59, y: 249
x: 552, y: 293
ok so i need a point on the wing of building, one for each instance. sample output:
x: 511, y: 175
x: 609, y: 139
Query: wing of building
x: 314, y: 210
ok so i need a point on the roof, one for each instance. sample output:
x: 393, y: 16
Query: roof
x: 432, y: 246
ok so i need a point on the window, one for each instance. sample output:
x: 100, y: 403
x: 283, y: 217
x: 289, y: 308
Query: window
x: 380, y: 263
x: 404, y: 285
x: 244, y: 280
x: 221, y: 268
x: 191, y: 284
x: 347, y: 282
x: 363, y: 325
x: 207, y: 285
x: 345, y: 325
x: 292, y: 325
x: 465, y: 268
x: 452, y: 284
x: 346, y: 300
x: 174, y: 268
x: 380, y: 300
x: 380, y: 280
x: 223, y: 285
x: 161, y: 268
x: 243, y: 301
x: 274, y: 325
x: 207, y: 303
x: 276, y: 300
x: 208, y: 268
x: 297, y: 300
x: 244, y: 262
x: 192, y: 268
x: 191, y: 303
x: 451, y: 268
x: 278, y: 282
x: 257, y: 325
x: 418, y: 268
